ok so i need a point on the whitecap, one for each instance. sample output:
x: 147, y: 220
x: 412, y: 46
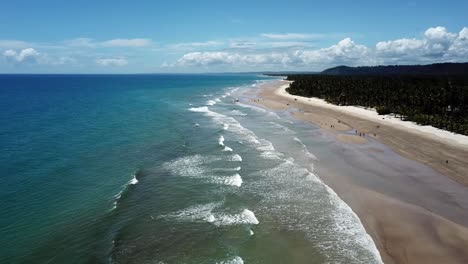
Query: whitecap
x: 210, y: 102
x: 221, y: 141
x: 236, y: 157
x: 245, y: 217
x: 234, y: 260
x: 134, y: 180
x: 235, y: 180
x: 226, y: 148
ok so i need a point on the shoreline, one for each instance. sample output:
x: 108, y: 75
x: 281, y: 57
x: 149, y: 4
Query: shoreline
x: 421, y: 227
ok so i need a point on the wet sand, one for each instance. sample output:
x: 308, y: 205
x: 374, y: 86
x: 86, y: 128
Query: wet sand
x: 414, y: 215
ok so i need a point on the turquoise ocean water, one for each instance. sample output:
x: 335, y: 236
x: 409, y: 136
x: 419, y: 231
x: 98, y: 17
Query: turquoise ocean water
x: 163, y: 169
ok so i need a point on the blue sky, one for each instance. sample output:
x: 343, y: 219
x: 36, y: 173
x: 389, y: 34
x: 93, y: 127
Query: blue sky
x: 209, y: 36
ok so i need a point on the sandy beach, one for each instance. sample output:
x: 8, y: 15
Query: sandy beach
x: 416, y: 216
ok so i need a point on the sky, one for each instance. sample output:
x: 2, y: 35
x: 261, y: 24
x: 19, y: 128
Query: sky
x: 174, y: 36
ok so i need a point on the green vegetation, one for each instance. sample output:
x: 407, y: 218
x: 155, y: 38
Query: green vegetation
x: 439, y: 101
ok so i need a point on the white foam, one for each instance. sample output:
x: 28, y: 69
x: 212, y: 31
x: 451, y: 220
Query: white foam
x: 210, y: 102
x: 258, y: 109
x: 285, y: 130
x: 237, y: 113
x: 221, y: 141
x: 245, y: 217
x: 268, y: 150
x: 226, y: 148
x: 251, y: 232
x: 206, y: 213
x: 338, y: 224
x: 189, y: 166
x: 227, y: 169
x: 234, y: 260
x: 201, y: 212
x: 245, y: 135
x: 236, y: 157
x: 235, y: 180
x: 225, y: 126
x: 305, y: 150
x: 134, y: 180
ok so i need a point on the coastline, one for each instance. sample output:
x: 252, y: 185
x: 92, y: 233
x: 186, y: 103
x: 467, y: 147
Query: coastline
x: 405, y: 227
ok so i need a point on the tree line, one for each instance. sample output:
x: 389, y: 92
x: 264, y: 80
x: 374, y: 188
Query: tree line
x: 439, y: 101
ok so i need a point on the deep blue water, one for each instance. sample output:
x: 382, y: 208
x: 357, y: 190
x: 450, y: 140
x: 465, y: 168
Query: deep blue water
x: 161, y: 169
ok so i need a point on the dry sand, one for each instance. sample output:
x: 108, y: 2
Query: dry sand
x: 405, y: 230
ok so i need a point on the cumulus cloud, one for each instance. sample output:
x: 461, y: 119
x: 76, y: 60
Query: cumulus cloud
x: 111, y: 61
x: 217, y: 58
x: 437, y: 44
x: 25, y: 55
x: 345, y: 52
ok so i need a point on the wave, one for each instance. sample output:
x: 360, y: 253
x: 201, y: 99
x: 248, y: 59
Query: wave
x: 340, y: 228
x: 235, y: 180
x: 285, y: 130
x: 234, y: 260
x: 124, y: 190
x: 210, y: 213
x: 246, y: 135
x: 227, y: 169
x: 225, y: 126
x: 237, y: 113
x: 134, y: 180
x: 236, y: 157
x: 258, y: 109
x: 305, y: 150
x: 194, y: 167
x: 210, y: 102
x: 245, y: 217
x: 226, y: 148
x: 221, y: 141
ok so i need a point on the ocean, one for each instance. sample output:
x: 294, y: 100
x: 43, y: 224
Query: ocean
x: 164, y: 169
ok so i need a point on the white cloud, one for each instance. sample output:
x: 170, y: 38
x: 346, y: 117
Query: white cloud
x: 345, y: 52
x: 288, y: 36
x: 111, y: 61
x: 137, y: 42
x: 90, y: 43
x: 25, y: 55
x: 13, y: 44
x: 233, y: 59
x: 194, y: 45
x: 437, y: 45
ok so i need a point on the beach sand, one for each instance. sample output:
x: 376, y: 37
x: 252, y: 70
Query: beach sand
x: 418, y: 217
